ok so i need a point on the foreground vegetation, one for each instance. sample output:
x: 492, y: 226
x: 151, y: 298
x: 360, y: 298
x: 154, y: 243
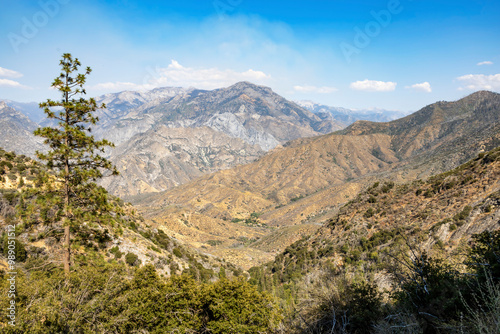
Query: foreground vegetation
x: 100, y: 297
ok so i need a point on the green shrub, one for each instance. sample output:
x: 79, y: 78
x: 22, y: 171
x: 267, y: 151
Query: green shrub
x: 369, y: 213
x: 387, y: 187
x: 463, y: 214
x: 17, y: 246
x: 177, y: 252
x: 132, y: 260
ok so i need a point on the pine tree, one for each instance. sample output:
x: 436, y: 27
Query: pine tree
x: 73, y: 155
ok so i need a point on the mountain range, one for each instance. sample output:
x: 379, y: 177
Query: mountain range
x: 243, y: 172
x: 348, y: 116
x: 238, y: 123
x: 306, y: 181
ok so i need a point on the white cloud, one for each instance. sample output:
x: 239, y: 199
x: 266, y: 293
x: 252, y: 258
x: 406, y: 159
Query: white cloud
x: 487, y: 62
x: 314, y: 89
x: 423, y: 87
x: 176, y: 75
x: 120, y: 86
x: 374, y: 86
x: 480, y: 81
x: 12, y: 83
x: 6, y: 73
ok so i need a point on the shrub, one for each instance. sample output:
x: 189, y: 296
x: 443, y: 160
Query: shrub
x: 132, y: 260
x: 463, y: 214
x: 369, y: 213
x: 177, y: 252
x: 17, y: 246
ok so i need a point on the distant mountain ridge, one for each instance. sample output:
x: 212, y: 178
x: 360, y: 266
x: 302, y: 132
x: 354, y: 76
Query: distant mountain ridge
x: 348, y: 116
x: 253, y: 113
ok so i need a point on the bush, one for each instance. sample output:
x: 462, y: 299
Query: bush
x: 463, y: 214
x: 387, y: 187
x: 116, y: 252
x: 431, y: 290
x: 17, y: 246
x: 214, y: 242
x: 177, y: 252
x: 369, y: 213
x: 132, y: 260
x: 235, y: 306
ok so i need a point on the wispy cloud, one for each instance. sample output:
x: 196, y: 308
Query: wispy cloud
x: 480, y: 81
x: 120, y: 86
x: 373, y: 86
x: 6, y: 73
x: 176, y: 75
x: 12, y: 83
x: 422, y: 87
x: 314, y: 89
x: 486, y: 62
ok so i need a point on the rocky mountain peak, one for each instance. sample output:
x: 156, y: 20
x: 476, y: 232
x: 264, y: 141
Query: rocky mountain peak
x: 3, y: 105
x: 249, y: 89
x: 482, y: 95
x: 242, y: 85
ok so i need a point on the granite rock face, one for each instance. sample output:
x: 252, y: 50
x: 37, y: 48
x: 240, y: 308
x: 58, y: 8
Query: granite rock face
x: 164, y: 157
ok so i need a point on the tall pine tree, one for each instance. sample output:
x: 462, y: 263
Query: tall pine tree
x: 73, y: 155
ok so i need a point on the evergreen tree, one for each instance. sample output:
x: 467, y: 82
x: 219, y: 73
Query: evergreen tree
x: 73, y: 154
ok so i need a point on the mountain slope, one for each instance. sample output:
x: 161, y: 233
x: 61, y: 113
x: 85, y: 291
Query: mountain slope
x: 127, y: 237
x: 162, y: 158
x: 17, y: 132
x: 437, y: 215
x: 410, y: 242
x: 440, y: 126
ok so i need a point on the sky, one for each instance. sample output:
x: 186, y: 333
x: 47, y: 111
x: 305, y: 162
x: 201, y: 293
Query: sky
x: 395, y: 54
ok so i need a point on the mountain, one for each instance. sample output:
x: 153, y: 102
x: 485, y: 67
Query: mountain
x: 157, y: 132
x: 348, y: 116
x: 252, y: 113
x: 309, y: 178
x: 30, y: 109
x: 17, y: 131
x: 237, y: 123
x: 124, y: 117
x: 441, y: 135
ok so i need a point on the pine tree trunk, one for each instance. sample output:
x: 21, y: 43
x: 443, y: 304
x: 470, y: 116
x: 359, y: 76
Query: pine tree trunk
x: 67, y: 240
x: 66, y: 222
x: 67, y: 250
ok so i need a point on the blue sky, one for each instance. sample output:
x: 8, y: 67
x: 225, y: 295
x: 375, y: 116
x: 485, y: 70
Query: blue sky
x: 395, y: 54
